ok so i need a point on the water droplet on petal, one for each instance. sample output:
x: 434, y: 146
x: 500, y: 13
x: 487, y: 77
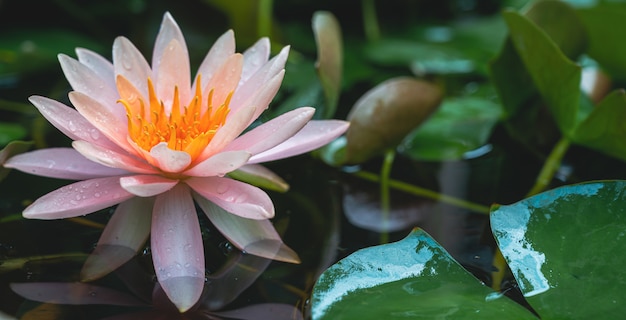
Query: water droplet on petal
x: 222, y: 188
x: 241, y: 198
x: 95, y: 134
x: 71, y: 125
x: 126, y: 62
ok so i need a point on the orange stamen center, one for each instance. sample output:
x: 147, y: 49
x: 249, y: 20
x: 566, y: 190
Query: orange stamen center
x: 186, y: 128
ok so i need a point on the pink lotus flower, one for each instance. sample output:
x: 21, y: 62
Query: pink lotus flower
x: 149, y: 140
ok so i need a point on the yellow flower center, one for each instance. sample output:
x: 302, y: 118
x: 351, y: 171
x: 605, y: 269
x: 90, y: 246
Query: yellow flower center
x: 186, y: 128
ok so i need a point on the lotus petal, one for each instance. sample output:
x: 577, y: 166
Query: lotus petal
x: 234, y: 196
x: 78, y: 199
x: 177, y: 251
x: 62, y: 163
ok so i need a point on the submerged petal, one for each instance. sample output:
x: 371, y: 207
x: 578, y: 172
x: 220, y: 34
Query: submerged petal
x: 315, y: 134
x: 177, y: 250
x: 257, y: 237
x: 123, y: 236
x: 147, y: 185
x: 234, y: 196
x: 62, y: 163
x: 74, y: 293
x: 78, y: 199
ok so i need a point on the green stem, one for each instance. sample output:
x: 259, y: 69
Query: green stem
x: 385, y: 204
x: 370, y: 20
x: 422, y: 192
x: 550, y: 167
x: 264, y: 20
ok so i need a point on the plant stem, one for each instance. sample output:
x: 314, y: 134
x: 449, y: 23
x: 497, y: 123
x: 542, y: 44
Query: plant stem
x: 550, y: 166
x: 423, y: 192
x: 385, y: 204
x: 370, y: 20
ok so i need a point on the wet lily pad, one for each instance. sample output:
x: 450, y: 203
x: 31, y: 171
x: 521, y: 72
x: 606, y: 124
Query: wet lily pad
x: 565, y: 248
x: 413, y: 278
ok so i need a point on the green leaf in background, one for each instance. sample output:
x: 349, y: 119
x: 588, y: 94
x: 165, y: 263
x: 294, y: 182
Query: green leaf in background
x: 10, y: 132
x: 565, y: 248
x: 458, y: 126
x: 385, y: 114
x: 511, y: 75
x: 329, y: 63
x: 250, y: 19
x: 414, y: 278
x: 604, y: 128
x: 562, y: 24
x: 457, y: 48
x: 605, y: 24
x: 26, y: 51
x: 511, y: 80
x: 556, y: 77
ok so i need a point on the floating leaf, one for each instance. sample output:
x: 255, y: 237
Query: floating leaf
x: 383, y: 116
x: 413, y: 278
x: 458, y: 126
x: 329, y: 63
x: 564, y: 248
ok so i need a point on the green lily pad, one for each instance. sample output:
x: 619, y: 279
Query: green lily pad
x: 458, y: 126
x: 565, y: 247
x: 413, y: 278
